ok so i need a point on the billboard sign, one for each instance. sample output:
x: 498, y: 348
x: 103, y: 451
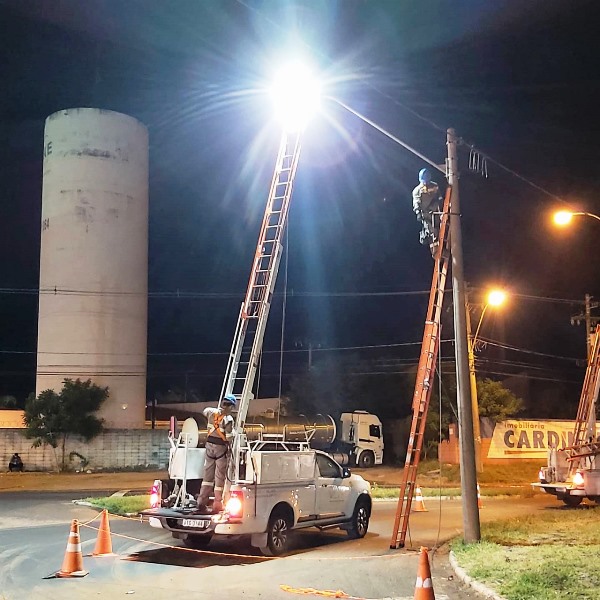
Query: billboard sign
x: 529, y: 439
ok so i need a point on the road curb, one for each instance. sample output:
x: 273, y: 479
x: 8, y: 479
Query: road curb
x: 476, y: 585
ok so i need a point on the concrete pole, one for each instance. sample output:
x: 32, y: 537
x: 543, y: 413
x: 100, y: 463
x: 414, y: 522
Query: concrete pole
x: 468, y: 473
x: 474, y: 400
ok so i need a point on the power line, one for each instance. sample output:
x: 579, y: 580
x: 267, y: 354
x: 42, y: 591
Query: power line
x: 524, y: 351
x: 181, y: 294
x: 487, y: 341
x: 527, y: 376
x: 418, y: 115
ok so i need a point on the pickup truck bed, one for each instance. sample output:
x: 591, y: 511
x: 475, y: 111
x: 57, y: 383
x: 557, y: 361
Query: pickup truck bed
x: 323, y: 494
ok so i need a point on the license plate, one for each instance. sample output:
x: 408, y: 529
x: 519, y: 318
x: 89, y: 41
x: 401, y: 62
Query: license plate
x: 197, y: 523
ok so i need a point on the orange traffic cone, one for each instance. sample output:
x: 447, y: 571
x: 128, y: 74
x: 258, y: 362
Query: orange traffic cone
x: 73, y: 562
x: 103, y: 542
x: 479, y: 502
x: 424, y: 585
x: 419, y: 504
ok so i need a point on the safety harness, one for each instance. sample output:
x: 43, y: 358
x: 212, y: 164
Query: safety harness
x: 217, y: 420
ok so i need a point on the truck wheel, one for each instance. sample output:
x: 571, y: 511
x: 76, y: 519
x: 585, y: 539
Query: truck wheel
x: 197, y: 541
x: 278, y: 534
x: 360, y: 520
x: 366, y: 460
x: 572, y: 501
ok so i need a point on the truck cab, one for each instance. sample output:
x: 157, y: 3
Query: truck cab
x: 364, y: 432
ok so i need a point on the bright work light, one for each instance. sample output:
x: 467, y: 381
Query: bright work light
x: 296, y: 96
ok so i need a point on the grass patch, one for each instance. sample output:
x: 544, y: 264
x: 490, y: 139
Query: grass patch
x: 121, y: 505
x: 567, y: 526
x: 519, y: 473
x: 525, y: 572
x: 546, y: 556
x: 387, y: 492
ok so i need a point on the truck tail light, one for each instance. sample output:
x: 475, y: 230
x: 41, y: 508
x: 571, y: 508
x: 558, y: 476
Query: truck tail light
x: 235, y: 504
x: 156, y: 494
x: 578, y: 479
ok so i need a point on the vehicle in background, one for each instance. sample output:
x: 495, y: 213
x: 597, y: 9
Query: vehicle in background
x: 572, y: 473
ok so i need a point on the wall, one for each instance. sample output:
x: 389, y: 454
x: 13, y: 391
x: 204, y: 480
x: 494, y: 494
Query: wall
x: 113, y: 449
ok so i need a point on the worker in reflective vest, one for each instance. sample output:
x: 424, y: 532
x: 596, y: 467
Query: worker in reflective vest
x: 220, y: 434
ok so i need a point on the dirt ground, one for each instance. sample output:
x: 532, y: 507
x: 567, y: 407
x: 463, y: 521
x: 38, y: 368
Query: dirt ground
x: 36, y: 481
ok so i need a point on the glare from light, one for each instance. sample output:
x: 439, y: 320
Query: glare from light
x: 563, y: 217
x: 234, y: 506
x: 296, y: 96
x: 496, y: 297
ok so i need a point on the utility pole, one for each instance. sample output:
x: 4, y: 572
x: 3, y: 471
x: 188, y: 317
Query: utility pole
x: 474, y: 400
x: 472, y: 529
x: 468, y: 473
x: 590, y: 322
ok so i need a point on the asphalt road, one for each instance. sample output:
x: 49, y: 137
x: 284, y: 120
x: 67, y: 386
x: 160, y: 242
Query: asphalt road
x: 34, y: 528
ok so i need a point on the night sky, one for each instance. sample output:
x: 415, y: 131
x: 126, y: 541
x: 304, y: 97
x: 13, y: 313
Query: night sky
x: 518, y: 80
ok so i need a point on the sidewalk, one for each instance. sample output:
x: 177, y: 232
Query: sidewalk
x: 45, y: 482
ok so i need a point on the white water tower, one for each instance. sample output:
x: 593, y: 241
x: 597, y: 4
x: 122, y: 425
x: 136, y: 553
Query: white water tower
x: 94, y: 258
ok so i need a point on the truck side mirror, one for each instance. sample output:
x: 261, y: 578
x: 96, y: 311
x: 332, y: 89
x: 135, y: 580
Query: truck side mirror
x: 346, y: 472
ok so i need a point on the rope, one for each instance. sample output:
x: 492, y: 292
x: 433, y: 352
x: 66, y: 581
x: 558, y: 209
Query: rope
x: 161, y: 545
x: 314, y: 592
x: 235, y: 555
x: 283, y: 307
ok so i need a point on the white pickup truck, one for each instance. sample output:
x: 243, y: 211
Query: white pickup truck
x: 283, y: 487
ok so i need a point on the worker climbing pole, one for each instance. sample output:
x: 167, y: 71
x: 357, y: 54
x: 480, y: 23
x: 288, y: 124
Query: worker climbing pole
x: 425, y: 375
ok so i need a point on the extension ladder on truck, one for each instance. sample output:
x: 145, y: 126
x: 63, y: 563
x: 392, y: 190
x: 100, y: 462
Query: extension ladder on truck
x: 585, y: 444
x: 425, y: 375
x: 254, y: 312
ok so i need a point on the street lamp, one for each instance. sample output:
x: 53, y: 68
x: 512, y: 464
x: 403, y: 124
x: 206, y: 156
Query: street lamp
x: 564, y: 217
x: 495, y: 298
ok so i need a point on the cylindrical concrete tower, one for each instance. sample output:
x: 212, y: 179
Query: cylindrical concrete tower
x: 94, y: 258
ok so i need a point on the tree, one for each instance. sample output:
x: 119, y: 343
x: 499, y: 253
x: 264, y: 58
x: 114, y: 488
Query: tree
x: 494, y: 401
x: 8, y: 402
x: 440, y: 413
x: 497, y: 402
x: 52, y: 417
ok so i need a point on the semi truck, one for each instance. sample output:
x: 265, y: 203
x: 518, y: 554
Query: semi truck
x: 573, y: 473
x: 355, y: 439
